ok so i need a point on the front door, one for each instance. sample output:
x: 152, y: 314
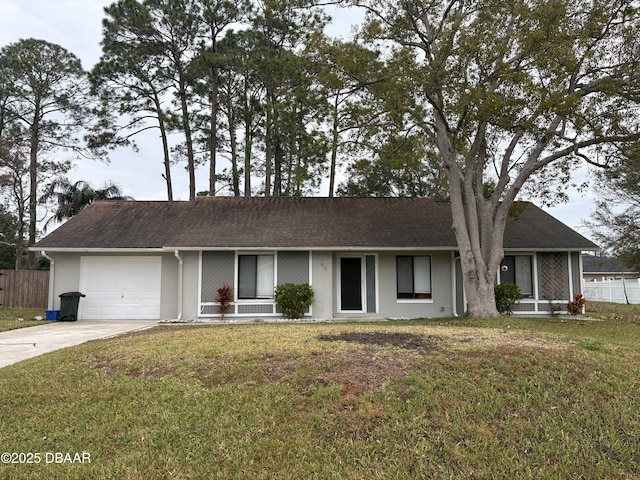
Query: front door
x: 351, y: 284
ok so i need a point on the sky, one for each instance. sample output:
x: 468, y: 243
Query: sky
x: 76, y: 26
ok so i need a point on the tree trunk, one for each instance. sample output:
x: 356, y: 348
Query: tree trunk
x: 165, y: 148
x: 33, y: 187
x: 289, y: 181
x: 479, y: 283
x: 213, y: 121
x: 480, y: 243
x: 233, y: 143
x: 334, y: 148
x: 248, y: 147
x: 248, y: 137
x: 296, y: 167
x: 186, y: 127
x: 278, y: 156
x: 479, y: 232
x: 166, y: 161
x: 19, y: 241
x: 268, y: 138
x: 478, y: 278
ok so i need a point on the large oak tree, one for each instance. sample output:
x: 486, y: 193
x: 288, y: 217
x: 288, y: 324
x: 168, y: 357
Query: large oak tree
x: 508, y: 92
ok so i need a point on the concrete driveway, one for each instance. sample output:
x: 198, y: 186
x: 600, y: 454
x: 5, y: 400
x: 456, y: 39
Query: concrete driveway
x: 23, y: 343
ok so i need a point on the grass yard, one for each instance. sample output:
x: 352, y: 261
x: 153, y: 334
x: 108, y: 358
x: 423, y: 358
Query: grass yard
x: 493, y: 399
x: 8, y: 318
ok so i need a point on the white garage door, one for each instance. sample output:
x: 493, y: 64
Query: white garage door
x: 120, y: 288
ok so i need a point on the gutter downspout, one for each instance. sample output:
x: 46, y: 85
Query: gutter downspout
x: 180, y: 281
x: 454, y: 280
x: 52, y: 277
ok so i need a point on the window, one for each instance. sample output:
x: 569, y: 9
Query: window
x: 518, y: 269
x: 255, y: 276
x: 413, y: 276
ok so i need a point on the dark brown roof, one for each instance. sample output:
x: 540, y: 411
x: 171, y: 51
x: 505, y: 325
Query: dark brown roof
x: 286, y: 222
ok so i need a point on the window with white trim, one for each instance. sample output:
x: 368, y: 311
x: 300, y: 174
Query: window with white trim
x: 518, y: 269
x: 255, y: 276
x: 413, y: 276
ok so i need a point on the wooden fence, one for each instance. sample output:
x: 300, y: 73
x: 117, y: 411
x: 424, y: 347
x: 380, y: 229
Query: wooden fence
x: 24, y: 288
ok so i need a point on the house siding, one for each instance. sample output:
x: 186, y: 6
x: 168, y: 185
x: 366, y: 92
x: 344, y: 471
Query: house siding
x: 203, y: 273
x: 322, y: 274
x: 66, y: 278
x: 169, y: 287
x: 553, y: 276
x: 576, y: 274
x: 386, y: 301
x: 441, y: 302
x: 322, y: 270
x: 293, y: 267
x: 310, y: 238
x: 217, y: 269
x: 190, y: 285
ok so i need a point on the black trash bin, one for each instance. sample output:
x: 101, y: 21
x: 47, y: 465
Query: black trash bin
x: 69, y: 306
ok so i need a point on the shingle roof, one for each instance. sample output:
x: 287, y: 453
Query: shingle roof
x: 595, y: 264
x: 289, y: 222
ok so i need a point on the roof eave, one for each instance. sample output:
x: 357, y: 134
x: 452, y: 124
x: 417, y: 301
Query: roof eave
x: 95, y: 250
x: 552, y: 249
x: 342, y: 248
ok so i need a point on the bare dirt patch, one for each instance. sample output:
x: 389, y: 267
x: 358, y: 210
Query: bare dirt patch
x: 355, y: 371
x: 360, y: 371
x: 408, y: 341
x: 452, y: 341
x: 368, y: 361
x: 132, y: 366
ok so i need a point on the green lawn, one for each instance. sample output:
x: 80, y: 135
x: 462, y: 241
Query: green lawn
x: 497, y: 399
x: 9, y: 316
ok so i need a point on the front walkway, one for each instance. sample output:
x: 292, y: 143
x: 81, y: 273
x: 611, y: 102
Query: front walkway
x: 22, y: 343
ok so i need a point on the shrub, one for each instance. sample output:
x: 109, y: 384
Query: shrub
x: 224, y: 298
x: 575, y: 306
x: 292, y: 299
x: 507, y: 294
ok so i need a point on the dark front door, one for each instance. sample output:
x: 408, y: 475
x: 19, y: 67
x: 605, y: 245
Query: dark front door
x: 351, y: 283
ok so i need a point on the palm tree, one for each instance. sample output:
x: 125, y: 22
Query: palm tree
x: 74, y: 197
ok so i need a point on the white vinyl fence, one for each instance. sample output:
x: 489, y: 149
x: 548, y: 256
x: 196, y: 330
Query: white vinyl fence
x: 617, y: 291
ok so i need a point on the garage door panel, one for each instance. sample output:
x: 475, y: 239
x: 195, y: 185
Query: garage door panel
x: 120, y: 287
x: 92, y: 312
